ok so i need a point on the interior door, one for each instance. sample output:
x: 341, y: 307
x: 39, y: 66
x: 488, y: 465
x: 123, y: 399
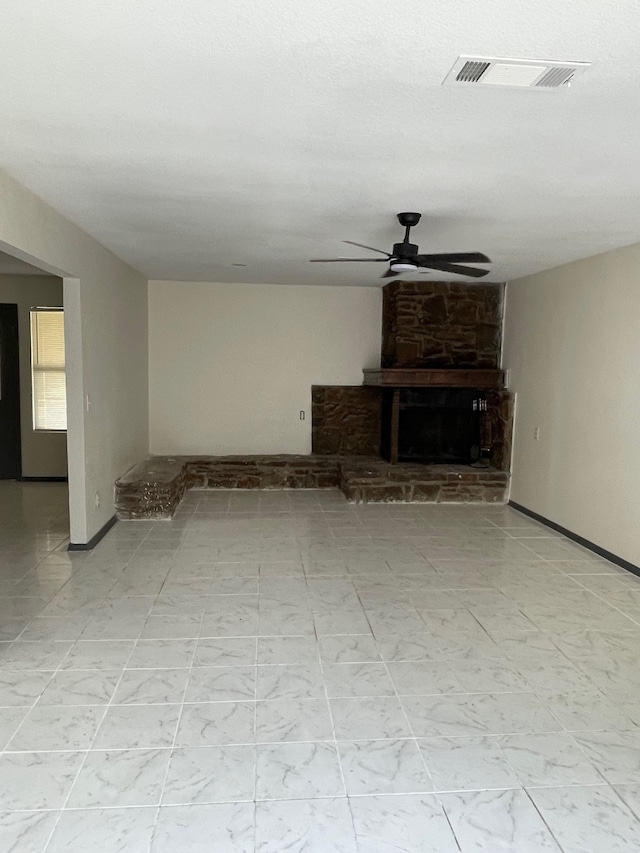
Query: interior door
x: 10, y: 458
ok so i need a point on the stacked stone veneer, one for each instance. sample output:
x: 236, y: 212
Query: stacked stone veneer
x: 375, y: 481
x: 500, y: 411
x: 441, y: 324
x: 155, y: 487
x: 260, y: 472
x: 345, y: 420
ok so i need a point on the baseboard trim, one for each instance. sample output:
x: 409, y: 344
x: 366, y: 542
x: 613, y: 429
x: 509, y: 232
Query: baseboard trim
x: 91, y: 544
x: 43, y: 479
x: 591, y: 546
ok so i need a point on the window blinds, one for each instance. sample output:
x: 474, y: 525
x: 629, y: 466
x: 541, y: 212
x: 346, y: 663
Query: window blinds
x: 49, y: 391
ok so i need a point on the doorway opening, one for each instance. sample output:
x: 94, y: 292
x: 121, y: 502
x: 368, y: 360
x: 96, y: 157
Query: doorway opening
x: 36, y: 439
x: 10, y: 446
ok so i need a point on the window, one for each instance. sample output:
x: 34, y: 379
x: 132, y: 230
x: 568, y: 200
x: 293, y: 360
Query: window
x: 48, y: 380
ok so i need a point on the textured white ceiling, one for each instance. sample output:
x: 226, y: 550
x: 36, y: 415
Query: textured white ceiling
x: 188, y: 136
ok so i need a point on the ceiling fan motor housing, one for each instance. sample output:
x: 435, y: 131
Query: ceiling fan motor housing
x: 409, y: 219
x: 404, y: 250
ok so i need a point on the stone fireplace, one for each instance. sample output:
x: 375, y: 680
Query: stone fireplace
x: 413, y: 431
x: 438, y: 399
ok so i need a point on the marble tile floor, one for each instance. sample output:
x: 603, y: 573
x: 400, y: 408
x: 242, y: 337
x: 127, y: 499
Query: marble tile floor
x: 284, y: 671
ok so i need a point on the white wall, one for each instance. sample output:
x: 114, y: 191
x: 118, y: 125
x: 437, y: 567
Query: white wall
x: 44, y: 454
x: 572, y: 345
x: 232, y: 365
x: 105, y: 305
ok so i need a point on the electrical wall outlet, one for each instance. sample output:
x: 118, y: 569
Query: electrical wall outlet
x: 97, y: 500
x: 303, y: 414
x: 536, y: 433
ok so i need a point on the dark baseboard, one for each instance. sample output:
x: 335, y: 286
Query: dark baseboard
x: 43, y: 479
x: 591, y: 546
x: 74, y: 546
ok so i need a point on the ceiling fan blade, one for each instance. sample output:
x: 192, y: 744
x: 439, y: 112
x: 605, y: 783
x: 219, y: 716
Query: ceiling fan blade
x: 454, y: 268
x: 352, y: 260
x: 389, y: 274
x: 456, y: 257
x: 362, y: 246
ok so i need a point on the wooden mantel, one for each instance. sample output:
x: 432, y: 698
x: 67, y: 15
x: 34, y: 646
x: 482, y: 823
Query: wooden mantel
x: 421, y: 377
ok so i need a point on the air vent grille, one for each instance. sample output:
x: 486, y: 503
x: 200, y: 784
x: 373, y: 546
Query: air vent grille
x: 513, y: 73
x: 471, y: 72
x: 555, y: 77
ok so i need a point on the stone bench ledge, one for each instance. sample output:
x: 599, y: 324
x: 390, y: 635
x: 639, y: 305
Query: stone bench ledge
x: 155, y: 487
x: 157, y: 469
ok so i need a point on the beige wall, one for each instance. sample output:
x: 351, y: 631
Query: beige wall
x: 44, y: 454
x: 572, y: 346
x: 105, y: 305
x: 232, y: 365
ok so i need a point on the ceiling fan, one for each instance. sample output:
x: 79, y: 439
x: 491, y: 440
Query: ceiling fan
x: 405, y: 257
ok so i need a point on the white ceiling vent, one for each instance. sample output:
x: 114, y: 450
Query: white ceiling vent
x: 521, y: 73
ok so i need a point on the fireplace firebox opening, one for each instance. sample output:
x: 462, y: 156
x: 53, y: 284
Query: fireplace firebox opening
x: 436, y: 425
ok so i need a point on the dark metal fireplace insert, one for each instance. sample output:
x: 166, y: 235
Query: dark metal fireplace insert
x: 435, y: 425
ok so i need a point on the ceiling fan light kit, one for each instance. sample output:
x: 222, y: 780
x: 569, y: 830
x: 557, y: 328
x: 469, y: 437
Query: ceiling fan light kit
x: 405, y: 257
x: 402, y: 266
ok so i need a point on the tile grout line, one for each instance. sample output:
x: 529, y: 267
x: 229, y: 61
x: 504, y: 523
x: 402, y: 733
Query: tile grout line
x: 88, y: 750
x: 542, y: 818
x: 175, y: 737
x: 406, y: 717
x: 255, y: 720
x: 333, y: 729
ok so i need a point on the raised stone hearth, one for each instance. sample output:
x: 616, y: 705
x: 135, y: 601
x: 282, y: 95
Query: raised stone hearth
x: 370, y: 481
x: 155, y: 487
